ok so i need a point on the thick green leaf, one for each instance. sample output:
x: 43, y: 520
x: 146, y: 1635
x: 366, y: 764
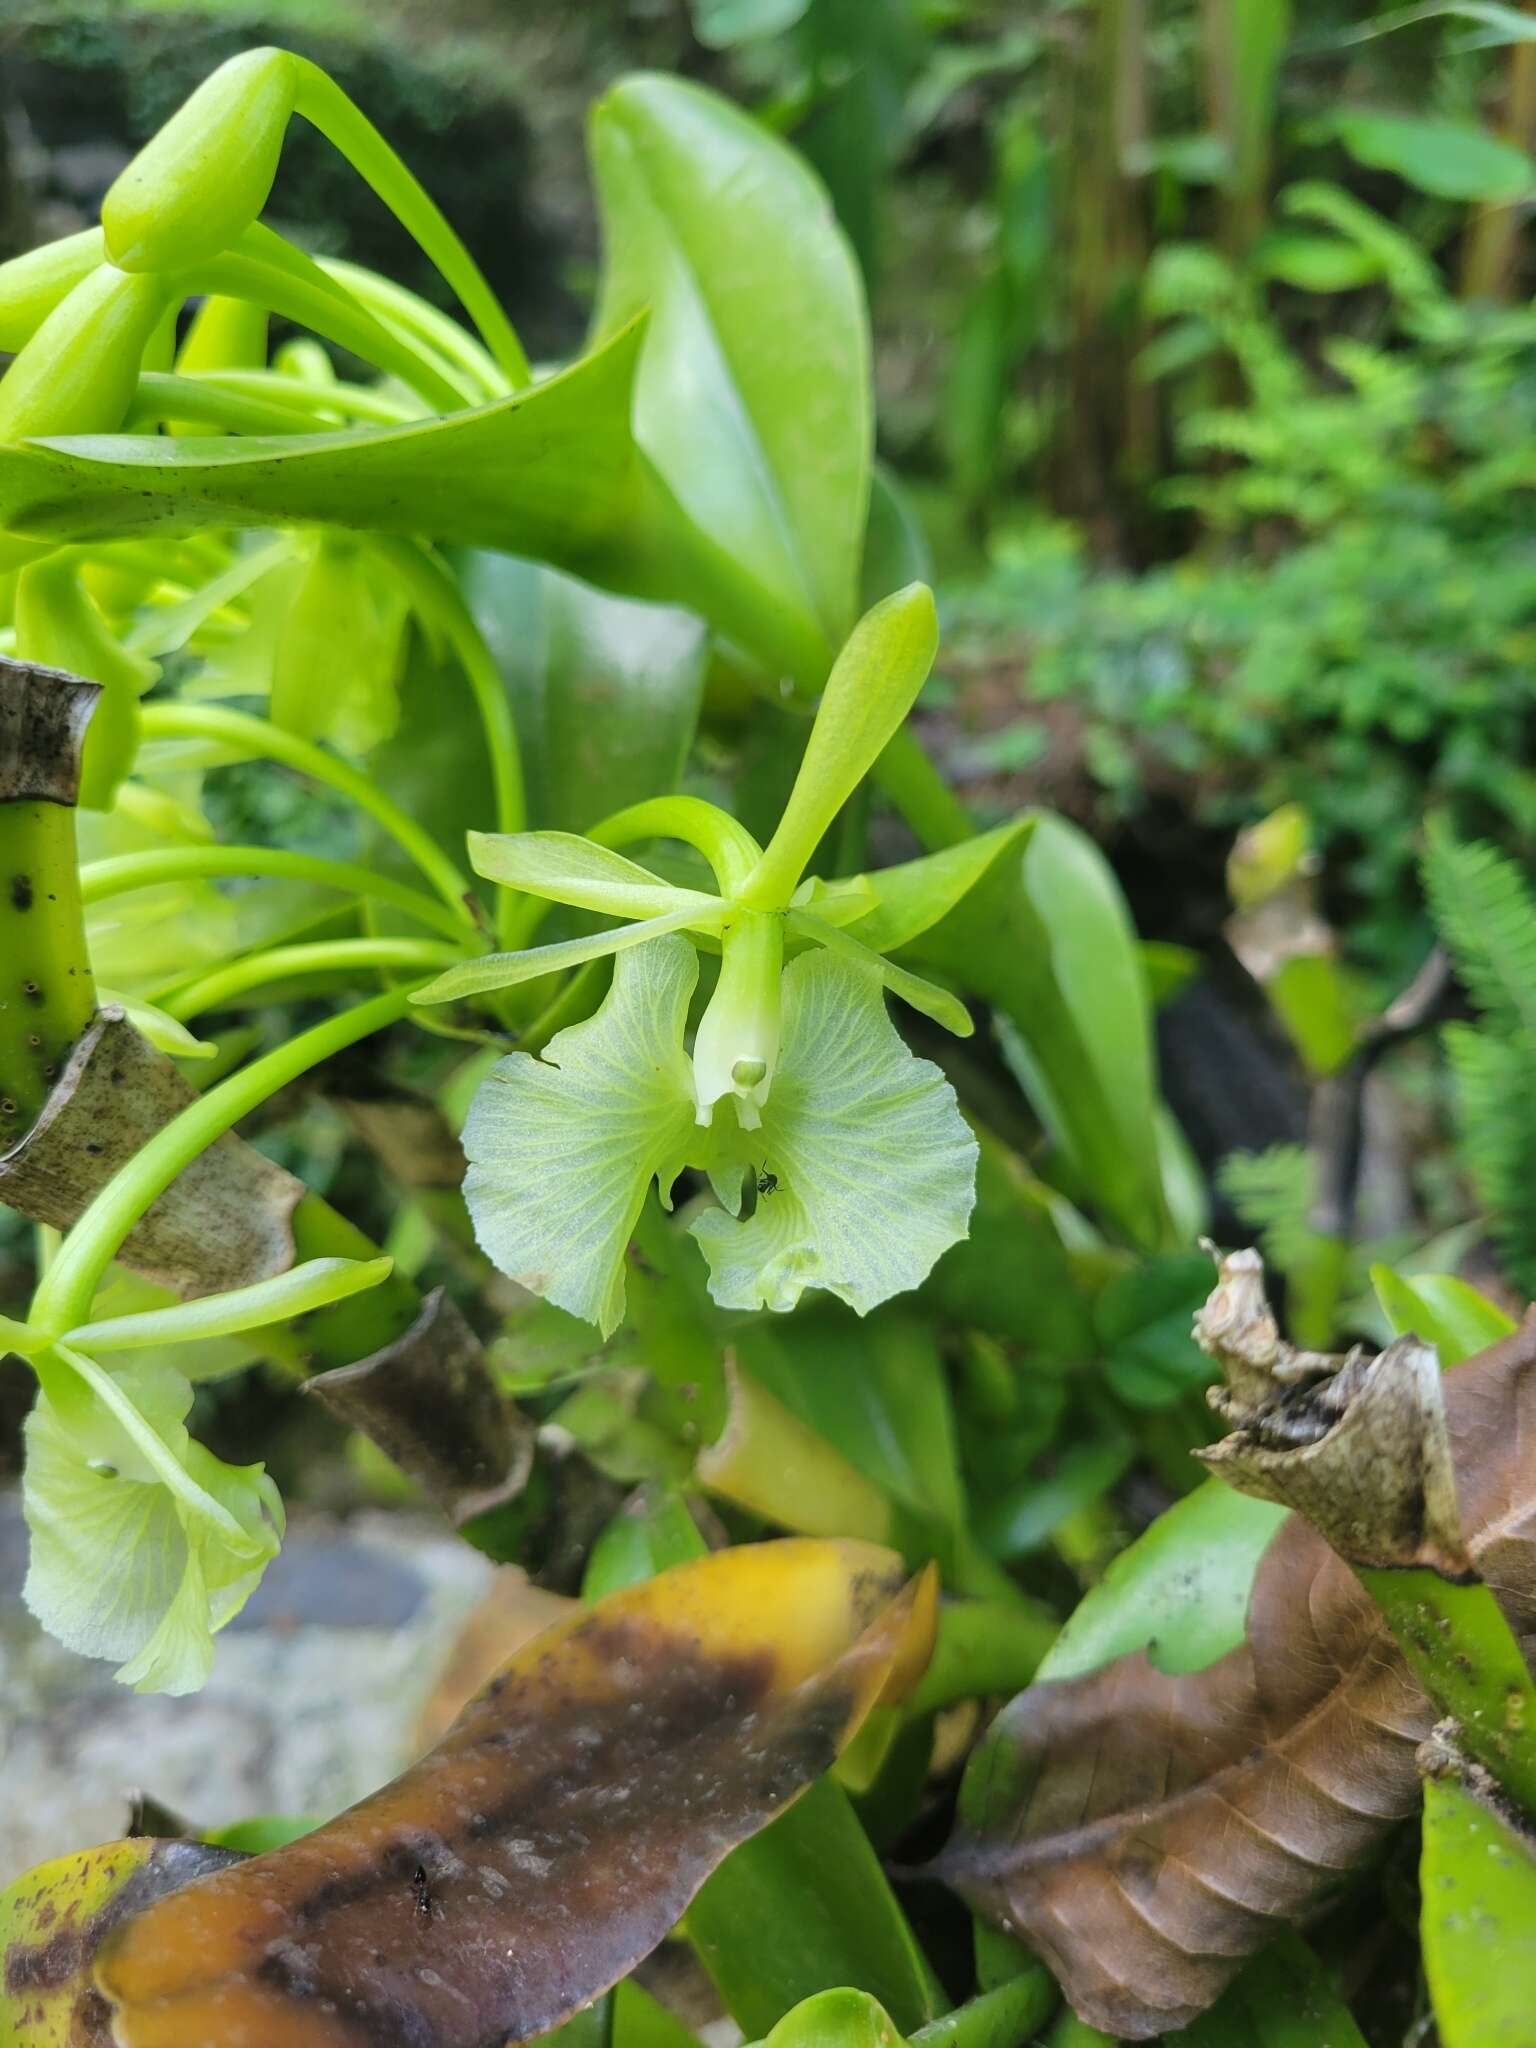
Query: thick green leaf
x: 877, y: 1391
x: 1284, y: 1999
x: 807, y: 1909
x: 912, y: 897
x: 606, y: 690
x: 752, y: 401
x: 1478, y: 1880
x: 549, y: 473
x: 51, y: 1918
x: 1045, y: 938
x: 1180, y: 1591
x: 1441, y: 1309
x: 1450, y: 159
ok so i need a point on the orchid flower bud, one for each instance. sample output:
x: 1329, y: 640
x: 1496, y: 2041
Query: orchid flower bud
x: 197, y: 184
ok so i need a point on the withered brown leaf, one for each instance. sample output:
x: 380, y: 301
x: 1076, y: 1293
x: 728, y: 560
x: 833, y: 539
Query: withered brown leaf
x: 1147, y: 1832
x: 558, y: 1831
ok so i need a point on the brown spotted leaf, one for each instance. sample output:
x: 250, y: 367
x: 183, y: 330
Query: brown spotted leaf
x: 1146, y: 1832
x: 53, y: 1920
x: 557, y: 1832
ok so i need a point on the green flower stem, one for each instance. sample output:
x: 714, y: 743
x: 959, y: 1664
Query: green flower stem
x: 291, y: 394
x: 397, y: 307
x: 1003, y: 2018
x: 66, y: 1292
x: 437, y: 598
x: 258, y: 738
x: 324, y: 956
x: 984, y: 1647
x: 196, y: 401
x: 909, y: 780
x: 47, y: 997
x: 727, y: 845
x: 327, y: 309
x: 1460, y: 1648
x: 321, y: 101
x: 103, y: 879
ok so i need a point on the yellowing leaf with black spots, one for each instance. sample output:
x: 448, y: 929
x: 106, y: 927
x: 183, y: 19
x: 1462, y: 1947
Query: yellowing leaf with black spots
x: 53, y: 1920
x: 555, y: 1834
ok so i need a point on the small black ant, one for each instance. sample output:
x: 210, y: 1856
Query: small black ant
x: 767, y: 1182
x: 425, y: 1904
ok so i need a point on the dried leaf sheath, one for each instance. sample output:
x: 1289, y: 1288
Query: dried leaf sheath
x: 558, y: 1831
x: 1146, y: 1832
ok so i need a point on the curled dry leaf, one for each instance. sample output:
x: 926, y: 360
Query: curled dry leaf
x: 557, y: 1832
x: 1145, y: 1831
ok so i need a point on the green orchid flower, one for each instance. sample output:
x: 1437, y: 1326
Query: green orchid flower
x: 840, y: 1160
x: 143, y: 1543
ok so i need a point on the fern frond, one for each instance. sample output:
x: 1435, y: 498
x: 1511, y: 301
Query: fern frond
x: 1486, y: 917
x: 1273, y: 1191
x: 1496, y: 1116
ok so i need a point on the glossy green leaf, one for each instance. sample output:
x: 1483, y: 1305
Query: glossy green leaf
x: 1450, y: 159
x: 806, y: 1909
x: 563, y: 1148
x: 1179, y: 1592
x: 877, y: 1391
x: 1284, y: 1999
x: 548, y: 473
x: 1045, y: 938
x: 1478, y: 1919
x: 1441, y: 1309
x: 606, y: 690
x: 912, y: 897
x: 314, y: 1284
x: 753, y: 396
x: 563, y: 868
x: 51, y: 1919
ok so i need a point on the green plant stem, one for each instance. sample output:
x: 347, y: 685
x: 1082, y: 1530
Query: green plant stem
x: 66, y: 1292
x: 321, y: 101
x: 397, y: 307
x: 292, y: 394
x: 363, y: 1323
x: 322, y: 956
x: 996, y: 2019
x: 326, y: 309
x: 47, y: 997
x: 909, y: 780
x: 103, y: 879
x: 728, y: 846
x: 259, y: 739
x: 1460, y: 1648
x: 437, y: 598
